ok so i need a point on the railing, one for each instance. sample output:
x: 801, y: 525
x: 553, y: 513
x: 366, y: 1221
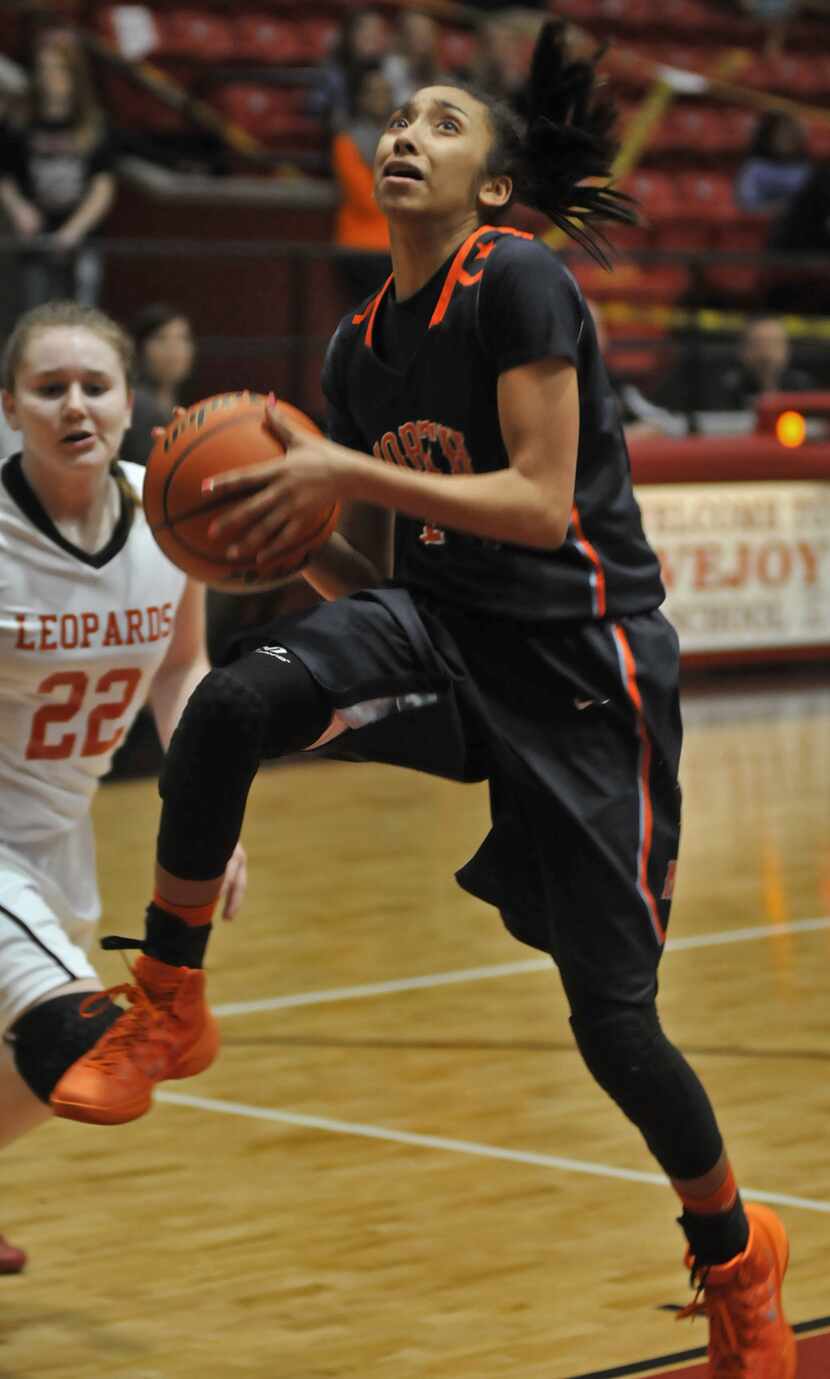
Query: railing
x: 263, y: 313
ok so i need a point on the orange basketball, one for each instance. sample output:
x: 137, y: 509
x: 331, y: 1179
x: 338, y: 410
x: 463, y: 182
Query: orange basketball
x: 221, y: 433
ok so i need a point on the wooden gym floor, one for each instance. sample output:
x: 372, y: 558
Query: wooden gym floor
x: 398, y: 1167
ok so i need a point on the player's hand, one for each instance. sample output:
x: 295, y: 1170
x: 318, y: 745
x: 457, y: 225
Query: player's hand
x: 311, y: 475
x: 157, y: 431
x: 236, y: 882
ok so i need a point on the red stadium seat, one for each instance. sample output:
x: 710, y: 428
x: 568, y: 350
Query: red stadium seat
x: 633, y: 282
x: 580, y: 11
x: 796, y: 75
x: 195, y: 34
x: 818, y: 137
x: 683, y: 16
x: 134, y: 108
x: 319, y: 36
x: 636, y: 15
x: 738, y: 281
x: 267, y: 38
x: 707, y: 197
x: 655, y: 192
x: 272, y: 114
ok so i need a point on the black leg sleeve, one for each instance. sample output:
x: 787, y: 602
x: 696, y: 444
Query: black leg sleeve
x: 630, y: 1057
x: 262, y: 706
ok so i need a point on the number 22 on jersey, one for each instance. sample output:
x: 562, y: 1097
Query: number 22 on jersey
x: 74, y: 704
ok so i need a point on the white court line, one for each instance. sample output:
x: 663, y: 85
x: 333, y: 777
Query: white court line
x: 504, y: 969
x: 482, y: 1151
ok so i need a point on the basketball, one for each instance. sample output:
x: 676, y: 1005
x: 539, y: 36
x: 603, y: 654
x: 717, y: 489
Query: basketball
x: 216, y: 435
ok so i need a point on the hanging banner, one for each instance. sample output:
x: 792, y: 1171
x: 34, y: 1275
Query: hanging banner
x: 746, y: 565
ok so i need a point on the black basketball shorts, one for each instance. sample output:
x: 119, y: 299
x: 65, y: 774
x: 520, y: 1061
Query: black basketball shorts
x: 576, y: 726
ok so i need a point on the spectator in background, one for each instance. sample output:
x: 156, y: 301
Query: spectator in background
x: 165, y: 355
x: 774, y: 15
x: 506, y: 43
x: 776, y: 167
x: 56, y: 178
x: 417, y: 61
x: 363, y: 41
x: 639, y: 417
x: 763, y: 366
x: 360, y: 226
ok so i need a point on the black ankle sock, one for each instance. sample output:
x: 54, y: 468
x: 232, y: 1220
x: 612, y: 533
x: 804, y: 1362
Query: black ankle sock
x: 718, y: 1238
x: 170, y: 940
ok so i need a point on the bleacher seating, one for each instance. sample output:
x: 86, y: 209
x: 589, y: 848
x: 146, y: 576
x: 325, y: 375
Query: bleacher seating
x: 252, y: 61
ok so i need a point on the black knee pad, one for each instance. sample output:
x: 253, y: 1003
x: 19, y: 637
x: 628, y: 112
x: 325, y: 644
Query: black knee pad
x: 52, y: 1036
x: 628, y: 1054
x: 262, y: 706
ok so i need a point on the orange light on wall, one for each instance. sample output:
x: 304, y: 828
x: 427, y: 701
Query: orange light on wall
x: 790, y: 429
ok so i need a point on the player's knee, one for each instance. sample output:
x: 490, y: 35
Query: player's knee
x: 49, y: 1038
x: 618, y: 1043
x: 220, y: 733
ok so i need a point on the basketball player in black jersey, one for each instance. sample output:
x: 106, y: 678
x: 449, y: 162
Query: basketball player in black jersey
x: 492, y: 611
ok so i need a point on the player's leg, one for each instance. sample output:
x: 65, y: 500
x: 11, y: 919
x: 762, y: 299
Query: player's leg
x: 610, y: 897
x: 273, y: 701
x: 44, y: 979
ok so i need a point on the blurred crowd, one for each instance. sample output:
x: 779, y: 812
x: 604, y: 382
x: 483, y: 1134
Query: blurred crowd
x: 58, y: 176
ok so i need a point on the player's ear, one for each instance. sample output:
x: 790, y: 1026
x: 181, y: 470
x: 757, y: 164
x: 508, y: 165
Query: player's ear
x: 9, y: 409
x: 495, y: 192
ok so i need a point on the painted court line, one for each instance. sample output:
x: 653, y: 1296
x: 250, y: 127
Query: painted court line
x: 482, y: 1151
x: 504, y: 969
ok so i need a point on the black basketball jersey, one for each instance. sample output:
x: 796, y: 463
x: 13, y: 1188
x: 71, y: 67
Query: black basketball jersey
x: 502, y: 300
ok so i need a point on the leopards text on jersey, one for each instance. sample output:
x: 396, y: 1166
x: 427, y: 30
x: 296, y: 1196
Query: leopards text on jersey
x: 81, y: 637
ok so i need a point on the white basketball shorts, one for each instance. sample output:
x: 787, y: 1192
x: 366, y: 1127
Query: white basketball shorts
x: 41, y: 948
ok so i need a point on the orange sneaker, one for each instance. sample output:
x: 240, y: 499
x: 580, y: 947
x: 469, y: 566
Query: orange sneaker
x: 168, y: 1032
x: 749, y: 1337
x: 12, y: 1260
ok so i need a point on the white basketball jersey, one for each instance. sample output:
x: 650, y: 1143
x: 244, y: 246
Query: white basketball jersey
x: 81, y: 637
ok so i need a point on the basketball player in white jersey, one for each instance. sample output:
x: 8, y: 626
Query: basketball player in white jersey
x: 94, y: 620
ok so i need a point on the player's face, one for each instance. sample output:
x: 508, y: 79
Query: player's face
x: 70, y: 399
x: 431, y: 157
x: 169, y: 352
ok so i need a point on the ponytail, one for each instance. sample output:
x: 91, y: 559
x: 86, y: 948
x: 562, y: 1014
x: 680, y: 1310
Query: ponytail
x: 566, y: 138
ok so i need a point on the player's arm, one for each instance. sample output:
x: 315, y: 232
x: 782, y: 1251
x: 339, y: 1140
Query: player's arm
x: 527, y: 503
x: 184, y: 665
x: 357, y: 556
x: 529, y: 325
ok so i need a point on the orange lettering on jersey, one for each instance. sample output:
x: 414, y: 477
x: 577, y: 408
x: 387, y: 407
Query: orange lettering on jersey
x: 454, y: 450
x: 90, y: 622
x: 134, y: 620
x: 70, y: 631
x: 112, y: 636
x: 153, y: 623
x: 166, y: 619
x: 390, y: 450
x: 47, y: 642
x: 432, y: 536
x: 23, y: 642
x: 411, y: 445
x: 427, y: 433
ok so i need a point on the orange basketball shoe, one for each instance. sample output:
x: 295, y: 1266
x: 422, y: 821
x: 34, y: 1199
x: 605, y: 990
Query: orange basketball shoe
x: 12, y: 1260
x: 168, y: 1032
x: 749, y: 1337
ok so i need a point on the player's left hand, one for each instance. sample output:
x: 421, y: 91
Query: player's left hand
x: 235, y: 883
x: 312, y: 474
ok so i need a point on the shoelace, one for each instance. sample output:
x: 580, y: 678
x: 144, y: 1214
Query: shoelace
x: 135, y: 1024
x: 731, y: 1323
